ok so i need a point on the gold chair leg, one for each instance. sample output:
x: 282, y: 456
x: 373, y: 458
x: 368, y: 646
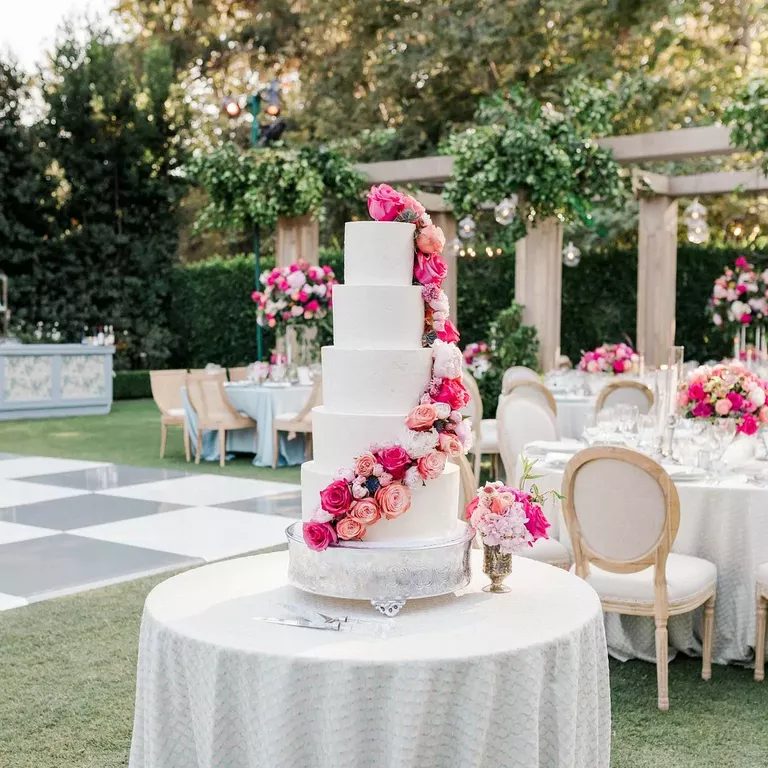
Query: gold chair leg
x: 762, y: 614
x: 222, y: 447
x: 275, y: 448
x: 199, y: 443
x: 163, y: 438
x: 308, y: 446
x: 708, y: 630
x: 187, y: 447
x: 662, y: 664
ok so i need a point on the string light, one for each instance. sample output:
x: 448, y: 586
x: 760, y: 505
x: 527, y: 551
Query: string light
x: 467, y: 228
x: 571, y: 255
x: 505, y: 211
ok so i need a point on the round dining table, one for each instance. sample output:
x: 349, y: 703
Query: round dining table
x: 467, y: 679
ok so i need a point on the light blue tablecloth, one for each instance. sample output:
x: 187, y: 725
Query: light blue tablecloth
x: 262, y: 404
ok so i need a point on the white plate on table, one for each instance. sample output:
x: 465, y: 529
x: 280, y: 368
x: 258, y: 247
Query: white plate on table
x: 276, y: 384
x: 556, y: 460
x: 681, y: 474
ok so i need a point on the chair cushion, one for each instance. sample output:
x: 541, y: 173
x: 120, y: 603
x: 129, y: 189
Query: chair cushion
x: 762, y: 578
x: 547, y: 551
x: 178, y: 412
x: 686, y: 577
x: 489, y: 436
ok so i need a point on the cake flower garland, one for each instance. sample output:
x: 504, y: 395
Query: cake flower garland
x: 379, y: 482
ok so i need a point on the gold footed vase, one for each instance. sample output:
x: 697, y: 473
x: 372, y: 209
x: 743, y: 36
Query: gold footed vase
x: 497, y: 566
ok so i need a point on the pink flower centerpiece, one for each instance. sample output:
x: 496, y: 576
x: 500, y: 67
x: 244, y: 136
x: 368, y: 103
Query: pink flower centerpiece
x: 476, y: 358
x: 299, y: 294
x: 380, y: 482
x: 609, y: 358
x: 725, y: 391
x: 739, y: 295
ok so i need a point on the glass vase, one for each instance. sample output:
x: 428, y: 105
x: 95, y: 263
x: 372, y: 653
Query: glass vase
x: 496, y: 566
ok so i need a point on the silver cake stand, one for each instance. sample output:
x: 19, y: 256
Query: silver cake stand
x: 387, y: 574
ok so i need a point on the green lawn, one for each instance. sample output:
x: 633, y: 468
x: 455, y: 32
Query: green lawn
x: 130, y: 434
x: 67, y: 676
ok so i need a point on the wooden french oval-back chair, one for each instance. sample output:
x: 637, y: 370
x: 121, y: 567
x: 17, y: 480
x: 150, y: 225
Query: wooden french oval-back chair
x: 625, y: 393
x: 300, y: 422
x: 166, y: 392
x: 533, y: 390
x: 517, y: 373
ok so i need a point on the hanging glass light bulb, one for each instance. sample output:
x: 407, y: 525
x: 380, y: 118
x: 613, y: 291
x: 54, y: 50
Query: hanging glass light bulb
x: 467, y: 228
x: 471, y: 252
x: 505, y: 211
x: 698, y: 233
x: 453, y: 246
x: 695, y: 213
x: 571, y: 255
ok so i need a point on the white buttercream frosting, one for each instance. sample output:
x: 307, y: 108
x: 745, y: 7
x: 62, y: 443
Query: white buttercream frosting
x: 378, y: 253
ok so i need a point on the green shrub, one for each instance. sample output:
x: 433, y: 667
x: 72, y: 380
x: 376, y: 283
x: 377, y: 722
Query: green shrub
x: 131, y: 385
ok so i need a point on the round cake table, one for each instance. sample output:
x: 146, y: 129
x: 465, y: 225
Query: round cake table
x: 470, y: 679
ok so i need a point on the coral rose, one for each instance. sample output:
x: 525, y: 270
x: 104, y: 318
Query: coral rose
x: 365, y: 464
x: 449, y: 333
x: 450, y: 445
x: 453, y: 393
x: 432, y: 465
x: 471, y: 507
x: 336, y: 498
x: 395, y: 460
x: 384, y: 203
x: 365, y: 511
x: 393, y: 500
x: 422, y: 417
x: 348, y: 528
x: 319, y: 536
x: 723, y: 407
x: 431, y: 240
x: 429, y: 268
x: 414, y: 205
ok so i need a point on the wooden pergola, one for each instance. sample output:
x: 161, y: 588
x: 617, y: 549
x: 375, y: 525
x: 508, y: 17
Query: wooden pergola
x: 538, y: 265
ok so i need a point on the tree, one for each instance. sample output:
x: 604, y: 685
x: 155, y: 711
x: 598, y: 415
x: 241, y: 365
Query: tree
x: 113, y: 134
x: 27, y: 206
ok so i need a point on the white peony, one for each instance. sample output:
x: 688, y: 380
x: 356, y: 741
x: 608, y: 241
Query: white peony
x: 738, y: 308
x: 443, y: 410
x: 320, y: 290
x: 757, y: 396
x: 448, y: 360
x: 296, y: 279
x: 412, y: 477
x: 418, y: 444
x: 297, y: 311
x: 321, y: 516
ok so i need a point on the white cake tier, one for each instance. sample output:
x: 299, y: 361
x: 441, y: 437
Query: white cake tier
x: 433, y: 514
x: 374, y: 381
x: 338, y: 437
x: 378, y: 253
x: 378, y: 316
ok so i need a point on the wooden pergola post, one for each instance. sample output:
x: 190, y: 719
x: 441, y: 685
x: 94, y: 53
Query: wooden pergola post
x: 297, y: 238
x: 656, y: 278
x: 538, y: 286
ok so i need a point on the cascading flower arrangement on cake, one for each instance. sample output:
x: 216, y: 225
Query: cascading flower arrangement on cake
x: 609, y: 358
x: 379, y: 483
x: 739, y: 295
x: 477, y: 359
x: 725, y: 391
x: 295, y: 295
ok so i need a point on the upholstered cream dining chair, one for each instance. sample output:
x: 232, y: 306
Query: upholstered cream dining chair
x: 297, y: 422
x: 521, y: 421
x: 623, y: 513
x: 166, y: 392
x: 625, y: 393
x: 208, y: 398
x: 517, y: 373
x: 762, y: 606
x: 238, y: 374
x: 467, y: 491
x: 484, y: 437
x: 533, y: 390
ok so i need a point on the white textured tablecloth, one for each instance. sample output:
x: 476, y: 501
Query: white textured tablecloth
x: 473, y: 679
x: 573, y: 412
x: 726, y: 524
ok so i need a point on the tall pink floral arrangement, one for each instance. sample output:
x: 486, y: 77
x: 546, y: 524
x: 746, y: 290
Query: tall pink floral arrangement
x: 380, y: 482
x: 739, y: 295
x: 609, y: 358
x: 725, y: 391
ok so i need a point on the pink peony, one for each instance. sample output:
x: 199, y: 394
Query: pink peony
x: 429, y: 268
x: 450, y: 445
x: 736, y: 400
x: 393, y: 500
x: 696, y: 391
x: 453, y: 393
x: 741, y: 262
x: 746, y: 319
x: 319, y: 536
x: 422, y: 417
x: 365, y: 510
x: 384, y: 203
x: 365, y: 464
x: 702, y: 410
x: 432, y: 465
x: 431, y: 240
x: 449, y: 333
x: 395, y: 460
x: 537, y: 523
x: 471, y: 507
x: 348, y: 528
x: 748, y: 425
x: 723, y: 407
x: 336, y: 498
x: 312, y: 306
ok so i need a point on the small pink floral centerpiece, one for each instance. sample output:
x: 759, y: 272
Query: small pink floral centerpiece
x: 299, y: 294
x: 609, y: 358
x: 739, y: 295
x: 477, y: 359
x: 725, y: 391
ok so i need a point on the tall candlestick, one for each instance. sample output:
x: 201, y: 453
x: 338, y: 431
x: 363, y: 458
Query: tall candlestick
x: 735, y: 347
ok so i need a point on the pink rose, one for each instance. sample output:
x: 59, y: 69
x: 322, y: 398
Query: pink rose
x: 336, y: 498
x: 449, y: 333
x: 763, y: 414
x: 452, y: 391
x: 450, y: 444
x: 319, y: 536
x: 746, y: 319
x: 395, y: 460
x: 348, y: 528
x: 741, y: 262
x: 748, y: 425
x: 702, y: 410
x: 414, y: 205
x: 737, y: 401
x: 723, y: 407
x: 471, y: 507
x: 429, y: 268
x: 682, y: 399
x: 393, y: 500
x: 365, y: 511
x: 384, y: 203
x: 537, y: 523
x: 741, y: 288
x: 312, y: 306
x: 422, y: 417
x: 432, y: 465
x: 365, y: 464
x: 431, y: 240
x: 696, y: 391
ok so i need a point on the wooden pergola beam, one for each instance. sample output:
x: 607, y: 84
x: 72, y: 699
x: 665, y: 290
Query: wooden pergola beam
x: 680, y: 144
x: 431, y: 170
x: 699, y: 184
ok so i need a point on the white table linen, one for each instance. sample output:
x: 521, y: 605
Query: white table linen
x: 473, y: 679
x: 725, y: 523
x: 573, y: 411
